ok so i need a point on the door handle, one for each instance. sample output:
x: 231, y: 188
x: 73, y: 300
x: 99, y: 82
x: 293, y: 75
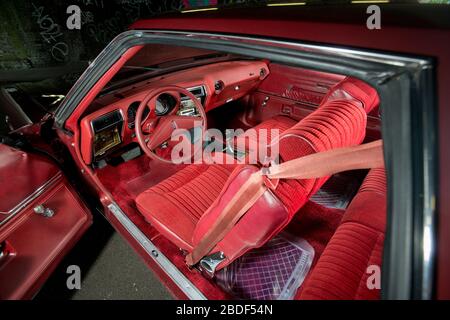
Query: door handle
x: 2, y: 251
x: 46, y: 212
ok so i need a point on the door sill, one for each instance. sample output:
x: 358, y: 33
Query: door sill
x: 183, y: 283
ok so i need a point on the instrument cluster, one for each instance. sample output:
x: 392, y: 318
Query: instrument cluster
x: 164, y: 105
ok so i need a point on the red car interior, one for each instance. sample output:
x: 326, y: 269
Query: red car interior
x: 339, y: 121
x: 31, y: 243
x: 299, y: 208
x: 175, y: 205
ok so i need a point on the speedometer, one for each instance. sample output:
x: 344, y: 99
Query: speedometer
x: 164, y: 104
x: 161, y: 107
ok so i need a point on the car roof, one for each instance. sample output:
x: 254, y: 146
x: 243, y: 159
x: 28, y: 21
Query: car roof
x: 400, y: 15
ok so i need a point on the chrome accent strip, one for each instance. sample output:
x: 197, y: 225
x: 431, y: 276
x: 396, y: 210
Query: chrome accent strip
x: 156, y: 35
x: 201, y: 87
x: 203, y: 94
x: 30, y: 198
x: 168, y: 267
x: 398, y: 60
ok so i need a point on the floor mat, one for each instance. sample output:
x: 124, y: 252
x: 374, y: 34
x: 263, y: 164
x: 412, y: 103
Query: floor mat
x: 273, y: 272
x: 316, y: 224
x: 338, y: 191
x: 313, y: 223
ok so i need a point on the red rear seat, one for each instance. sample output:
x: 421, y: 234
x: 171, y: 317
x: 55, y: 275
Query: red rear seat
x: 341, y: 272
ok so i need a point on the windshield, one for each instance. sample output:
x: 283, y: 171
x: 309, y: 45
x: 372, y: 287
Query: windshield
x: 156, y: 59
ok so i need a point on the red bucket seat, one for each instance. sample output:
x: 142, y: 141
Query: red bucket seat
x: 184, y: 206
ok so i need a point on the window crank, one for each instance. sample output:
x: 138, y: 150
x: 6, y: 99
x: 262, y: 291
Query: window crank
x: 46, y: 212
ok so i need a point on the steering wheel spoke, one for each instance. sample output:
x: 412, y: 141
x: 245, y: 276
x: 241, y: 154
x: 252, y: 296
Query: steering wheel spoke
x: 154, y: 132
x: 149, y: 126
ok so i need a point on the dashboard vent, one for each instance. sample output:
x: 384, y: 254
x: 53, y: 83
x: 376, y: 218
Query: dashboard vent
x: 197, y: 91
x: 107, y: 120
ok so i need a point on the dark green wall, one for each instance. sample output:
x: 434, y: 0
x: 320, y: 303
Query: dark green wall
x: 33, y: 34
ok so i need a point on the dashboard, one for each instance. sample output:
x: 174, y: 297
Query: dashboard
x: 110, y: 120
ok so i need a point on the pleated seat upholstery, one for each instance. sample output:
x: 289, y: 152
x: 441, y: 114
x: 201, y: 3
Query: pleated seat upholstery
x: 342, y: 270
x: 181, y: 200
x: 184, y: 207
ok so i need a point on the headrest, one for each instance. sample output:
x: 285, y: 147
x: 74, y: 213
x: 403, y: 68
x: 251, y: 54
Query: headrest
x: 357, y: 89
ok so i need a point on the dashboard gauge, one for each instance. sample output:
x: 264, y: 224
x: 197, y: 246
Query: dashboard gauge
x: 131, y: 113
x: 161, y: 107
x: 164, y: 104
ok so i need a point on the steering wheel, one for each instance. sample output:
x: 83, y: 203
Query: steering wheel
x: 156, y: 131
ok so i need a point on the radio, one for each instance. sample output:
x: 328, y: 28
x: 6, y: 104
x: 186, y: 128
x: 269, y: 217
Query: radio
x: 187, y: 106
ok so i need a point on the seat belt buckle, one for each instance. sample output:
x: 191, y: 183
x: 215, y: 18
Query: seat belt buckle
x: 265, y: 171
x: 208, y: 265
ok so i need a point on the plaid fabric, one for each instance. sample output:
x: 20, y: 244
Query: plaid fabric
x: 274, y: 271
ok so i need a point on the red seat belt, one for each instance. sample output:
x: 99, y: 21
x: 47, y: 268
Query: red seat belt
x: 317, y: 165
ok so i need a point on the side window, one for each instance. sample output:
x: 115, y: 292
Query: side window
x: 26, y: 102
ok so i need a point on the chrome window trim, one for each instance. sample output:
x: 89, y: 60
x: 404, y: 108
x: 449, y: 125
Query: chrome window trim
x: 31, y: 197
x: 131, y: 38
x: 394, y: 60
x: 163, y: 262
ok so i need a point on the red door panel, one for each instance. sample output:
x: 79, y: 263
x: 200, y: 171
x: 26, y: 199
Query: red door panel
x: 32, y: 244
x: 21, y: 174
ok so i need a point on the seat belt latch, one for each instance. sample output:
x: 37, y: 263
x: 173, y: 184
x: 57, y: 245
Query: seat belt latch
x: 208, y: 264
